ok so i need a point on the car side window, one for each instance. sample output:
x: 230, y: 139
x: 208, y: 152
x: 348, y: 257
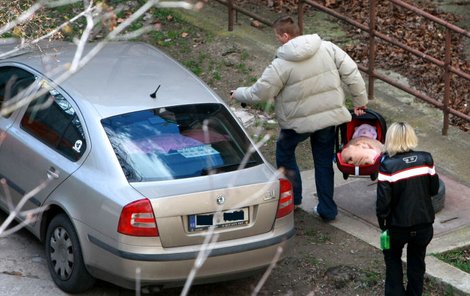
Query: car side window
x: 53, y: 120
x: 12, y: 81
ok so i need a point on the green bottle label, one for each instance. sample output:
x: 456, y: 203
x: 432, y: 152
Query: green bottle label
x: 384, y: 240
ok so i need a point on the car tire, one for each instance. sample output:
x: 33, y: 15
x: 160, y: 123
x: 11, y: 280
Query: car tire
x: 64, y: 256
x: 439, y: 198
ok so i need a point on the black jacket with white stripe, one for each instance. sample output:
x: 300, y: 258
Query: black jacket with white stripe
x: 407, y: 181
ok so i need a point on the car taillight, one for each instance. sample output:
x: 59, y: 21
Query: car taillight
x: 286, y: 199
x: 137, y: 219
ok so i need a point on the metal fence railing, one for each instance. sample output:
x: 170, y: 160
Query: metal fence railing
x: 370, y: 29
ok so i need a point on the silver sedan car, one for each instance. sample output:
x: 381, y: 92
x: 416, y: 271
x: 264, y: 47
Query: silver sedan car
x: 141, y: 166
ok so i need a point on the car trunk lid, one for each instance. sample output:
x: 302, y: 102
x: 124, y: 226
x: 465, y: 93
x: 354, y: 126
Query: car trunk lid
x: 233, y: 212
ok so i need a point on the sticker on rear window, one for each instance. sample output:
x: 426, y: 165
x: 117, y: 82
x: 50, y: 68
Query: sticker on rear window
x: 198, y: 151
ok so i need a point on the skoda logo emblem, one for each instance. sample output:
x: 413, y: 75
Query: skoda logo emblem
x: 220, y: 200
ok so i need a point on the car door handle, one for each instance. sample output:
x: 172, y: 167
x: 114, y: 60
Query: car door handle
x: 52, y: 173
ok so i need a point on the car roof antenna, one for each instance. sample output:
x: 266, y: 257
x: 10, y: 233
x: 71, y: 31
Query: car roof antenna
x: 154, y: 94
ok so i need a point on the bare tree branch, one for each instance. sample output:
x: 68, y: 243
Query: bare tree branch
x: 79, y: 60
x: 268, y: 271
x: 78, y: 63
x: 84, y: 38
x: 58, y: 3
x: 7, y: 194
x: 24, y: 17
x: 31, y: 216
x: 206, y: 248
x: 17, y: 210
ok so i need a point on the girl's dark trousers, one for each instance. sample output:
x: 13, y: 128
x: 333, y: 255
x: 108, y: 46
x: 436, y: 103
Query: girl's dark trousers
x: 417, y: 239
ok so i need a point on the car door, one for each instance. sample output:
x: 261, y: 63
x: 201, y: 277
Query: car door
x: 43, y: 147
x: 14, y: 82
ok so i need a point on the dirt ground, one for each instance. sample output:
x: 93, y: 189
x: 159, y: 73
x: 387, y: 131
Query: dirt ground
x: 323, y: 260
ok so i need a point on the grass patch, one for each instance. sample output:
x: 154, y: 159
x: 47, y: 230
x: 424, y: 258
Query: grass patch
x: 431, y: 286
x: 312, y: 260
x: 194, y: 66
x: 459, y: 258
x: 171, y: 31
x: 349, y: 103
x: 45, y: 19
x: 371, y: 278
x: 317, y: 236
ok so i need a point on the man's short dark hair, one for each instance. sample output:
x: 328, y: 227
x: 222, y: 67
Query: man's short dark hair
x: 286, y: 24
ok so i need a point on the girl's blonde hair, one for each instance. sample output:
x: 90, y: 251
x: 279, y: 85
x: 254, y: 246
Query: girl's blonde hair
x: 400, y: 137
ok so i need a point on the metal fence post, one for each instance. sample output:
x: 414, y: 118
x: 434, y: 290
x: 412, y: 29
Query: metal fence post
x: 231, y: 12
x: 300, y: 15
x: 372, y: 49
x: 447, y: 76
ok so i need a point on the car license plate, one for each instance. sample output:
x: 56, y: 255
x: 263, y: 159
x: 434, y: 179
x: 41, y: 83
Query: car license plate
x: 218, y: 219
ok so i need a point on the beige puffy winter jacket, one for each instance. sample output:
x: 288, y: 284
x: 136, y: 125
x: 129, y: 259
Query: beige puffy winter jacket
x: 305, y: 81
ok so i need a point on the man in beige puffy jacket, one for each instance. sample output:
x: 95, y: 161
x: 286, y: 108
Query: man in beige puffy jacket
x: 305, y: 81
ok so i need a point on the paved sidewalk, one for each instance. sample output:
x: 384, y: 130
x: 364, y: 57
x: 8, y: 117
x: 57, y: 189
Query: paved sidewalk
x: 356, y: 201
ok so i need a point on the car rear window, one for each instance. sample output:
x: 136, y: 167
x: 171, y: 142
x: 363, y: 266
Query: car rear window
x: 179, y: 142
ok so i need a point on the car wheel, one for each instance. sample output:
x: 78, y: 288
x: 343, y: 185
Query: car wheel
x: 439, y: 198
x: 64, y: 257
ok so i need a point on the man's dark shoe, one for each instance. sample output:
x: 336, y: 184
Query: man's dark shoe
x: 315, y: 212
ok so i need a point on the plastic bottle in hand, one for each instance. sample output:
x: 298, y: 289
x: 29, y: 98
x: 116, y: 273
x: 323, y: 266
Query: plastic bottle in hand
x: 385, y: 240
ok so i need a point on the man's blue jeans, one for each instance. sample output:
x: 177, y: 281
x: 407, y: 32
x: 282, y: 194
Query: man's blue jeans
x: 322, y: 143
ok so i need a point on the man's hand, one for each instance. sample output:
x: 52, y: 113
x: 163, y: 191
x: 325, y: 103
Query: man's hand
x: 360, y: 110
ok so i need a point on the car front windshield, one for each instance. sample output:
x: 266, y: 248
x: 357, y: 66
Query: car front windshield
x: 179, y: 142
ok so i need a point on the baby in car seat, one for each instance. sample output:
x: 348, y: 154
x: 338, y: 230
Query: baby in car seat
x: 364, y: 147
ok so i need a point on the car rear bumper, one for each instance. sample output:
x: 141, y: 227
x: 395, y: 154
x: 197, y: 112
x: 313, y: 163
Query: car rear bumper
x: 227, y: 260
